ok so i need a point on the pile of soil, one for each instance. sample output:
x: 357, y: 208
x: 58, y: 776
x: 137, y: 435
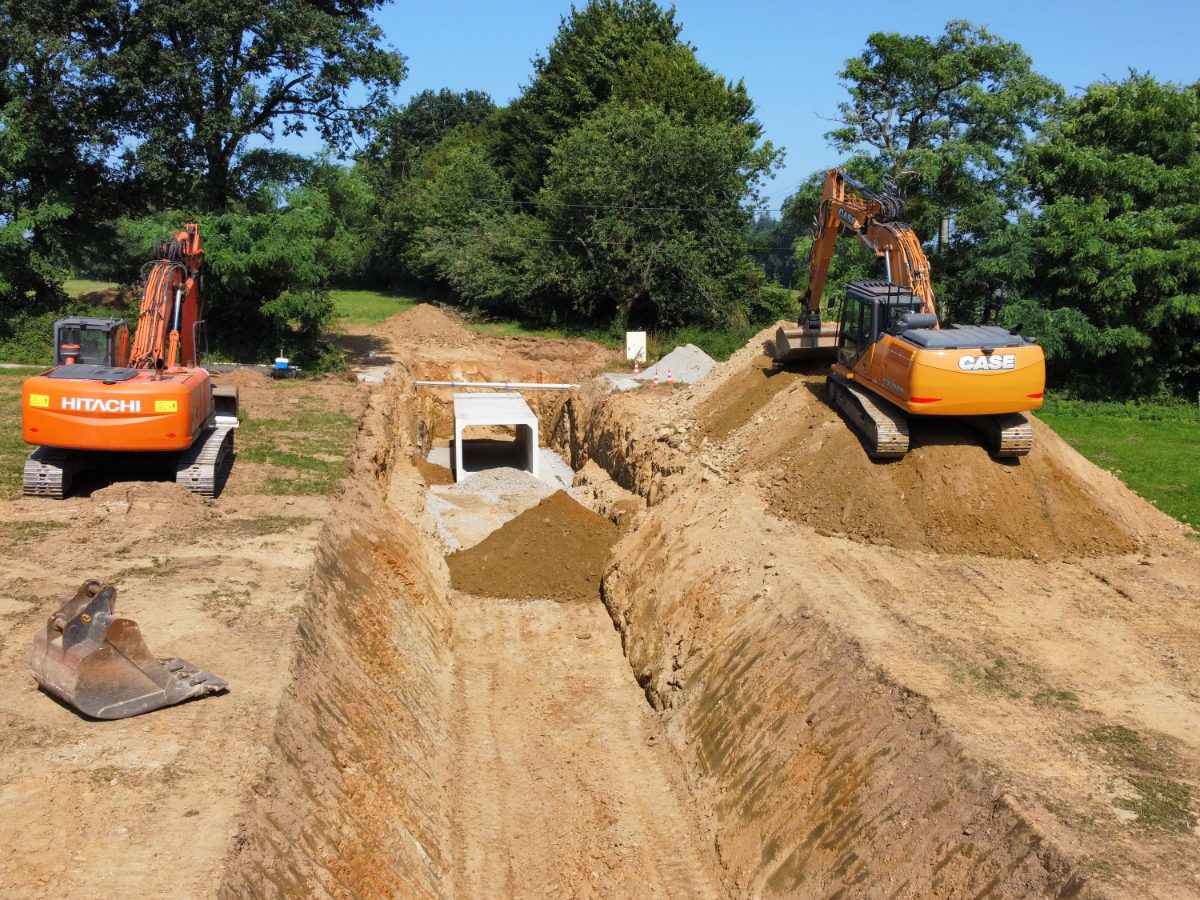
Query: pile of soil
x: 431, y: 472
x: 748, y: 392
x: 556, y: 550
x: 424, y: 325
x: 946, y: 495
x: 243, y: 377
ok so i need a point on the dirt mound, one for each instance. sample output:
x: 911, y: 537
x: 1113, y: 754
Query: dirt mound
x: 150, y: 494
x: 947, y: 494
x: 556, y: 550
x: 572, y: 360
x: 424, y: 325
x: 433, y: 474
x: 750, y: 390
x: 242, y: 377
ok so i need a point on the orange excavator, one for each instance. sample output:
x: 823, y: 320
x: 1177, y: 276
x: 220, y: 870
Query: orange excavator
x: 152, y: 399
x: 892, y: 359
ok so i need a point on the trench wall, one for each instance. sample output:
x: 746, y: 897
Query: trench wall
x: 590, y: 425
x: 821, y: 775
x: 352, y: 802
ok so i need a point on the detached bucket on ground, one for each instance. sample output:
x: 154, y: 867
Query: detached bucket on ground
x: 100, y: 665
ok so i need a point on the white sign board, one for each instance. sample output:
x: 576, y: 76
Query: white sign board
x: 635, y: 346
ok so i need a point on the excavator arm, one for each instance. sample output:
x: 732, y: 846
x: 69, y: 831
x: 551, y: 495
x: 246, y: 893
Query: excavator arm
x: 171, y: 305
x: 872, y: 218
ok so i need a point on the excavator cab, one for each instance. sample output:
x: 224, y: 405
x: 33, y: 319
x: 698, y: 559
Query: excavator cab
x: 872, y: 309
x: 91, y: 341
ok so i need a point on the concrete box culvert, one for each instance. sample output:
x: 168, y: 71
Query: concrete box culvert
x: 482, y: 410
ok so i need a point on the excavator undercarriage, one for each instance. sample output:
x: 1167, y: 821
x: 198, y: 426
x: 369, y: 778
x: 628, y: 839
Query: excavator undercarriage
x: 882, y: 426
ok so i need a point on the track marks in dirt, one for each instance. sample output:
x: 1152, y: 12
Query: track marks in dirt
x: 559, y: 786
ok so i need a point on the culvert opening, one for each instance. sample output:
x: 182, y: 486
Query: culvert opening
x: 506, y: 411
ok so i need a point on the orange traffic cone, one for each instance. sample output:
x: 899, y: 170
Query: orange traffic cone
x: 670, y: 377
x: 656, y: 376
x: 636, y: 370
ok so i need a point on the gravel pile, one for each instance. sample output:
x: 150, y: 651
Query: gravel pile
x: 501, y: 481
x: 687, y: 364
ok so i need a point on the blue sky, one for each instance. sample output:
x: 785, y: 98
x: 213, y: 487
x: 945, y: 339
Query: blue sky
x: 789, y: 53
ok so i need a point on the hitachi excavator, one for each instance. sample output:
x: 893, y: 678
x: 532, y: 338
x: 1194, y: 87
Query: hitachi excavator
x: 153, y: 399
x: 892, y: 359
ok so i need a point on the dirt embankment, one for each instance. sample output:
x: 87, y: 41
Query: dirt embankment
x: 354, y: 802
x: 147, y: 806
x: 435, y: 346
x: 640, y: 440
x: 853, y: 708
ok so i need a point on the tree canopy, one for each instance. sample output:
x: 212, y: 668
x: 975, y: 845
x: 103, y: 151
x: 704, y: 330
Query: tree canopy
x: 1115, y: 246
x: 620, y: 187
x: 201, y: 79
x: 56, y: 132
x: 943, y: 118
x: 620, y: 184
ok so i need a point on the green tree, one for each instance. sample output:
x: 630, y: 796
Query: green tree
x: 391, y: 165
x: 57, y: 126
x: 649, y: 215
x: 1114, y: 251
x: 403, y: 136
x: 202, y: 79
x: 942, y: 119
x: 575, y: 77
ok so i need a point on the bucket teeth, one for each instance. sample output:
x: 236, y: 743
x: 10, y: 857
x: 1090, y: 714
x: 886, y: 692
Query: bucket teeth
x: 100, y: 665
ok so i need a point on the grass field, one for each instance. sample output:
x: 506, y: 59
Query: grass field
x: 309, y: 447
x: 1153, y: 447
x: 368, y: 307
x: 78, y: 287
x: 13, y: 450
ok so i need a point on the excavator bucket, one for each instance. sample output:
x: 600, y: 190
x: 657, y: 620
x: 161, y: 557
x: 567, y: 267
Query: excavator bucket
x: 801, y: 343
x: 100, y: 665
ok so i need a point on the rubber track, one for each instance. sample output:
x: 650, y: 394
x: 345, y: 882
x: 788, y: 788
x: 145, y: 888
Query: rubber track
x: 48, y: 472
x: 1010, y: 435
x: 882, y: 425
x: 203, y: 463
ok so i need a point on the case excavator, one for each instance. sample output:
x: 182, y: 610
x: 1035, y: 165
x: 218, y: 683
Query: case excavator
x: 152, y: 400
x: 891, y: 358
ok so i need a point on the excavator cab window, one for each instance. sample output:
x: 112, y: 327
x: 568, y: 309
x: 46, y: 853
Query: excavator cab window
x: 87, y: 341
x: 854, y: 331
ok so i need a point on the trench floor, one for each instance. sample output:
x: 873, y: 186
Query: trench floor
x: 560, y: 783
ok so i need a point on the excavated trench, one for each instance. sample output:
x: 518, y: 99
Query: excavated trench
x: 439, y: 743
